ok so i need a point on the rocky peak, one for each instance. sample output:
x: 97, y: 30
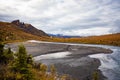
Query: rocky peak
x: 28, y: 28
x: 17, y: 22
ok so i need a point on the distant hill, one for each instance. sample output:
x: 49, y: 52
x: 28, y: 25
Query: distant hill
x: 110, y: 39
x: 29, y: 28
x: 12, y: 32
x: 63, y: 36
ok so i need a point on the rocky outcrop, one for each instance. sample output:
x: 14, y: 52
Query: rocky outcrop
x: 29, y: 28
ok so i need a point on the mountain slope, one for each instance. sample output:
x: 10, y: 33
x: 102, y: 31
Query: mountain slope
x: 11, y: 32
x: 111, y: 39
x: 29, y: 28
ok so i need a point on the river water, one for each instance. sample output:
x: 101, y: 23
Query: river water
x: 110, y: 63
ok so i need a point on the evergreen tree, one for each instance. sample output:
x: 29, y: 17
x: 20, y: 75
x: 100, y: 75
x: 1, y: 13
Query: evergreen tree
x: 8, y: 55
x: 21, y: 64
x: 30, y: 60
x: 2, y: 54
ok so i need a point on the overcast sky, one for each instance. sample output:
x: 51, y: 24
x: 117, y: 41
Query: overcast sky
x: 69, y: 17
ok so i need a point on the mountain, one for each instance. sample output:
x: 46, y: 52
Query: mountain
x: 29, y: 28
x: 63, y: 36
x: 12, y: 32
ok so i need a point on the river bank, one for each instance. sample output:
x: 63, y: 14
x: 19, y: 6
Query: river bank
x: 76, y: 63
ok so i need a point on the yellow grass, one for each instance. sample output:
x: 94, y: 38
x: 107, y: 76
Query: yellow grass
x: 111, y: 39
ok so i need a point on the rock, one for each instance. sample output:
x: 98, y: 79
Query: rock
x: 29, y: 28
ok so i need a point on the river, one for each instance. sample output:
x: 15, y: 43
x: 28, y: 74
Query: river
x: 110, y: 63
x: 77, y: 66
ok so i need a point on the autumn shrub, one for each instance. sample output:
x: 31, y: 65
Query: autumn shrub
x: 20, y: 66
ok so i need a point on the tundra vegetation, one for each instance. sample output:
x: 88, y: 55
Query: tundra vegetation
x: 21, y: 66
x: 11, y: 33
x: 111, y: 39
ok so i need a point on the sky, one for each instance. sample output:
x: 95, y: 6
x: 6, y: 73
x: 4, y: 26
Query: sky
x: 68, y: 17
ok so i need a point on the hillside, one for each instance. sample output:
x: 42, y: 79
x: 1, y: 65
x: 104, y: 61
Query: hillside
x: 111, y: 39
x: 18, y: 31
x: 11, y: 32
x: 29, y: 28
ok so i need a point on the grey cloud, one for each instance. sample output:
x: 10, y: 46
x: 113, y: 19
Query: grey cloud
x: 116, y: 26
x: 55, y: 16
x: 25, y: 0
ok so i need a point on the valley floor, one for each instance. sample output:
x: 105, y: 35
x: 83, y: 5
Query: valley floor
x: 76, y: 64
